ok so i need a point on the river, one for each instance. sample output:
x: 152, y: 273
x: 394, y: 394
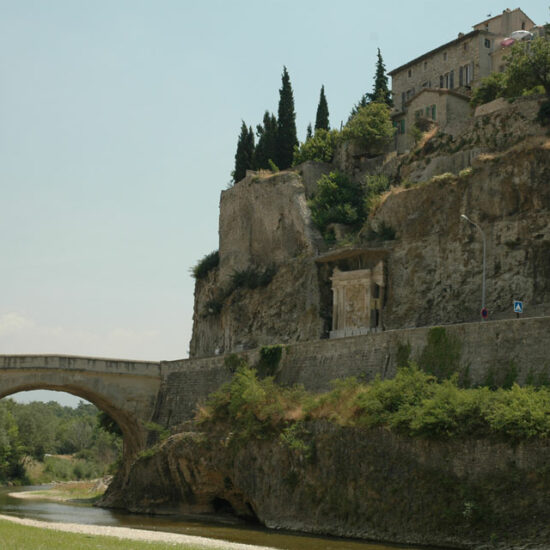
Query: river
x: 221, y: 529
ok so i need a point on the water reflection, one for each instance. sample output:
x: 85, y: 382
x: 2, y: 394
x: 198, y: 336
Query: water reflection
x: 229, y: 529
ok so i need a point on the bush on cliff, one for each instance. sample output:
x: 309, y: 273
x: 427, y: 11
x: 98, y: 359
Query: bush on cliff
x: 413, y: 403
x: 338, y: 200
x: 205, y: 265
x: 371, y: 126
x: 319, y: 147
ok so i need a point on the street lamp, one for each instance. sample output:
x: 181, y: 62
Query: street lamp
x: 463, y: 216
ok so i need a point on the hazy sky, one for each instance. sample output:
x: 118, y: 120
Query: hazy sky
x: 118, y: 127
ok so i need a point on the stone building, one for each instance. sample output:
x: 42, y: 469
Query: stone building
x: 456, y: 66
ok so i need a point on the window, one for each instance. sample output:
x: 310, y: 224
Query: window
x: 460, y: 77
x: 487, y: 43
x: 427, y: 112
x: 410, y: 73
x: 402, y: 122
x: 424, y: 84
x: 425, y: 65
x: 467, y: 74
x: 523, y: 25
x: 433, y: 112
x: 465, y: 46
x: 444, y: 56
x: 446, y: 80
x: 441, y: 81
x: 451, y: 80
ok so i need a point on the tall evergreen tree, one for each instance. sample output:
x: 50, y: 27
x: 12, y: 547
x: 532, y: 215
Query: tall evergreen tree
x: 380, y: 91
x: 309, y: 132
x: 245, y: 153
x: 286, y: 124
x: 266, y: 149
x: 321, y: 120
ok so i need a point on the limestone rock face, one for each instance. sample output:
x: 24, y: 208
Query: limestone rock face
x: 370, y: 484
x: 435, y: 264
x: 265, y: 224
x: 264, y: 220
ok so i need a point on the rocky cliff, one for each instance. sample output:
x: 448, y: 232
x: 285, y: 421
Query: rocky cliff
x: 266, y: 233
x: 433, y: 266
x: 355, y: 483
x: 435, y: 263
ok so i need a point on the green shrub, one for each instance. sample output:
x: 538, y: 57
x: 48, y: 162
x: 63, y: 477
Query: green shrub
x: 252, y: 277
x: 233, y: 362
x: 371, y: 126
x: 319, y: 147
x: 412, y: 403
x: 441, y: 355
x: 207, y: 264
x: 338, y: 200
x: 490, y: 88
x: 375, y: 185
x: 270, y: 357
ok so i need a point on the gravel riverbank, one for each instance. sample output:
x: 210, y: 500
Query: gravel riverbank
x: 135, y: 534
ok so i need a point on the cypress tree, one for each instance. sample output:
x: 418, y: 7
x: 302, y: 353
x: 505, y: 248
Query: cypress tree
x: 266, y: 149
x: 380, y: 91
x: 361, y: 103
x: 309, y: 132
x: 286, y: 124
x: 245, y: 153
x: 321, y: 120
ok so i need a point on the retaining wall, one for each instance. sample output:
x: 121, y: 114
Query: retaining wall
x: 494, y: 345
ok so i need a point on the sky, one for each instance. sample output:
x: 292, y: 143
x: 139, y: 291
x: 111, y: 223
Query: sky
x: 118, y: 128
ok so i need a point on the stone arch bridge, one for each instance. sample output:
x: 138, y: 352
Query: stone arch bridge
x: 126, y: 390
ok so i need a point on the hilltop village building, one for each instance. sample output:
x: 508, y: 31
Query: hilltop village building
x: 437, y: 85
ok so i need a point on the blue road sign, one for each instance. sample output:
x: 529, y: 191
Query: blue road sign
x: 518, y: 306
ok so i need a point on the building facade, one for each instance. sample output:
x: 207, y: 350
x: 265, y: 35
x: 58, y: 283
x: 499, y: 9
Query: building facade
x: 457, y: 66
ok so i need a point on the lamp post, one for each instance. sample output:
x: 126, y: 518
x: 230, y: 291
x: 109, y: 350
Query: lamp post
x: 463, y: 216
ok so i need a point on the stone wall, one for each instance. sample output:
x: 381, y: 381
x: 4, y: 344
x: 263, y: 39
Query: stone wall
x: 485, y: 346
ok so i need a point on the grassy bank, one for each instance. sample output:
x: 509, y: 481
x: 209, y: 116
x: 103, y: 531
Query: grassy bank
x: 413, y: 403
x: 23, y: 537
x: 70, y: 491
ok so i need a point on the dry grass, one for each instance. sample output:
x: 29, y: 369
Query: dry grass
x: 427, y: 136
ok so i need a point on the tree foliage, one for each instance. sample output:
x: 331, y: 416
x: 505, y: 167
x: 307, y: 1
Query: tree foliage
x: 528, y: 65
x: 413, y: 403
x: 338, y: 200
x: 320, y: 147
x: 321, y: 118
x: 38, y: 429
x: 371, y: 126
x: 380, y: 90
x: 490, y: 88
x: 266, y: 149
x: 286, y: 124
x: 244, y: 156
x: 527, y: 71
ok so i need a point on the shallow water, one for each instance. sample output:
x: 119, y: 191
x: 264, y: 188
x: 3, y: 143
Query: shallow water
x: 222, y: 529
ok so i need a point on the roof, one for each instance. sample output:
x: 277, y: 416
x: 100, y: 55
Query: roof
x: 439, y: 48
x: 499, y: 15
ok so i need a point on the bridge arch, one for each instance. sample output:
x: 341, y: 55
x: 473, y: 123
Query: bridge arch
x: 125, y: 390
